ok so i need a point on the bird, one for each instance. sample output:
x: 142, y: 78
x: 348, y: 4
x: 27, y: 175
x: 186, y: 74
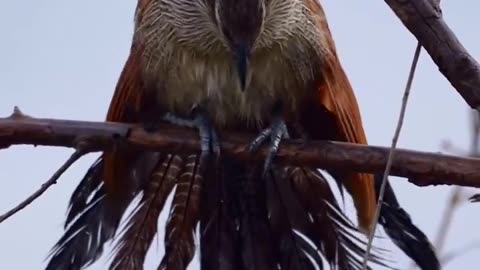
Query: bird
x: 267, y: 67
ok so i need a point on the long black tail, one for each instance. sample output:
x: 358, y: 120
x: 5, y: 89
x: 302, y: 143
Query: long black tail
x: 399, y: 227
x: 289, y: 219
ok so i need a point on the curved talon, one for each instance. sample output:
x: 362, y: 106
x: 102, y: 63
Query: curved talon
x: 276, y: 132
x: 215, y: 143
x: 253, y: 147
x: 209, y: 142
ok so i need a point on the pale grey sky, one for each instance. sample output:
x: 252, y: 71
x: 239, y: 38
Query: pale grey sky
x: 61, y: 59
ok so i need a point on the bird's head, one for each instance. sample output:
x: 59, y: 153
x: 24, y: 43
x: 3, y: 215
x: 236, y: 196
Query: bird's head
x: 240, y: 22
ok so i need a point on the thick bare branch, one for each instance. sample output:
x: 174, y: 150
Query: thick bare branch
x: 421, y: 168
x: 424, y: 19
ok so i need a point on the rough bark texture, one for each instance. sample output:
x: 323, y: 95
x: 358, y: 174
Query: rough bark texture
x: 421, y: 168
x: 423, y: 18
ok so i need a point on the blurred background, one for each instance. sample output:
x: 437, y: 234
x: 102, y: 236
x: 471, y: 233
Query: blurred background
x: 61, y: 59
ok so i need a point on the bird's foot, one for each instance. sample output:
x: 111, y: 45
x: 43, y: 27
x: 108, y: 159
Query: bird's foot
x: 275, y: 133
x: 209, y: 141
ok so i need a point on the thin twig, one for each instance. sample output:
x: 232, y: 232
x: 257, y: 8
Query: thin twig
x: 457, y: 197
x: 79, y: 152
x: 460, y: 251
x: 447, y: 218
x: 392, y: 150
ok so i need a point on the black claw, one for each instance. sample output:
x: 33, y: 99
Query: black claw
x: 275, y: 133
x: 259, y: 140
x: 215, y: 143
x: 209, y: 142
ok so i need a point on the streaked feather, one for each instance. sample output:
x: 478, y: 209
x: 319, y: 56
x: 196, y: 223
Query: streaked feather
x: 337, y: 101
x: 89, y: 183
x: 142, y: 226
x: 88, y: 225
x: 289, y: 221
x: 334, y: 234
x: 399, y: 227
x: 220, y: 212
x: 184, y: 216
x: 256, y: 241
x: 93, y: 218
x: 82, y: 243
x: 125, y: 107
x: 336, y: 96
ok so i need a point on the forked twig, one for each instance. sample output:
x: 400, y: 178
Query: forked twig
x: 450, y: 256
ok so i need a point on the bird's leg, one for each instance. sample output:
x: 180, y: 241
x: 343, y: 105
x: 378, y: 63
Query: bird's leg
x: 208, y: 136
x: 274, y: 133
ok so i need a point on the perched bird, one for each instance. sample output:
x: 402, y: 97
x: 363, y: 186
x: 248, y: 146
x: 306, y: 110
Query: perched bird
x: 268, y: 67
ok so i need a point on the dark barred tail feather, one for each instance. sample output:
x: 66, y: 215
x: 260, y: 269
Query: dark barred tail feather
x: 333, y: 233
x: 92, y: 218
x: 88, y: 225
x: 256, y: 239
x: 142, y: 226
x: 184, y: 216
x: 82, y: 243
x: 234, y: 230
x: 220, y: 214
x: 90, y: 182
x: 400, y: 228
x: 289, y: 220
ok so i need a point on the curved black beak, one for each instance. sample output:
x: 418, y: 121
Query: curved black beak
x: 241, y: 55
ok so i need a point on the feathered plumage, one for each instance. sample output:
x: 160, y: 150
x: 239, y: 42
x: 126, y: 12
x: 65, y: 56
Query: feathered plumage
x: 400, y: 228
x: 288, y: 219
x: 86, y: 224
x: 184, y: 216
x: 142, y: 224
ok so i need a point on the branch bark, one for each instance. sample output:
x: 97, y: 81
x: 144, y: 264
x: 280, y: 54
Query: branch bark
x: 421, y: 168
x: 423, y: 18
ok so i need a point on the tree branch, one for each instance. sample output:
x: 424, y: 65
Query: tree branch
x: 53, y: 180
x: 423, y: 18
x: 421, y: 168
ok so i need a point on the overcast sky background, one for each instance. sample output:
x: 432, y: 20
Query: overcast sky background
x: 61, y: 59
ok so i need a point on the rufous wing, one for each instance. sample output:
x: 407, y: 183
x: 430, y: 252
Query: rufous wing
x: 125, y: 107
x: 335, y: 96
